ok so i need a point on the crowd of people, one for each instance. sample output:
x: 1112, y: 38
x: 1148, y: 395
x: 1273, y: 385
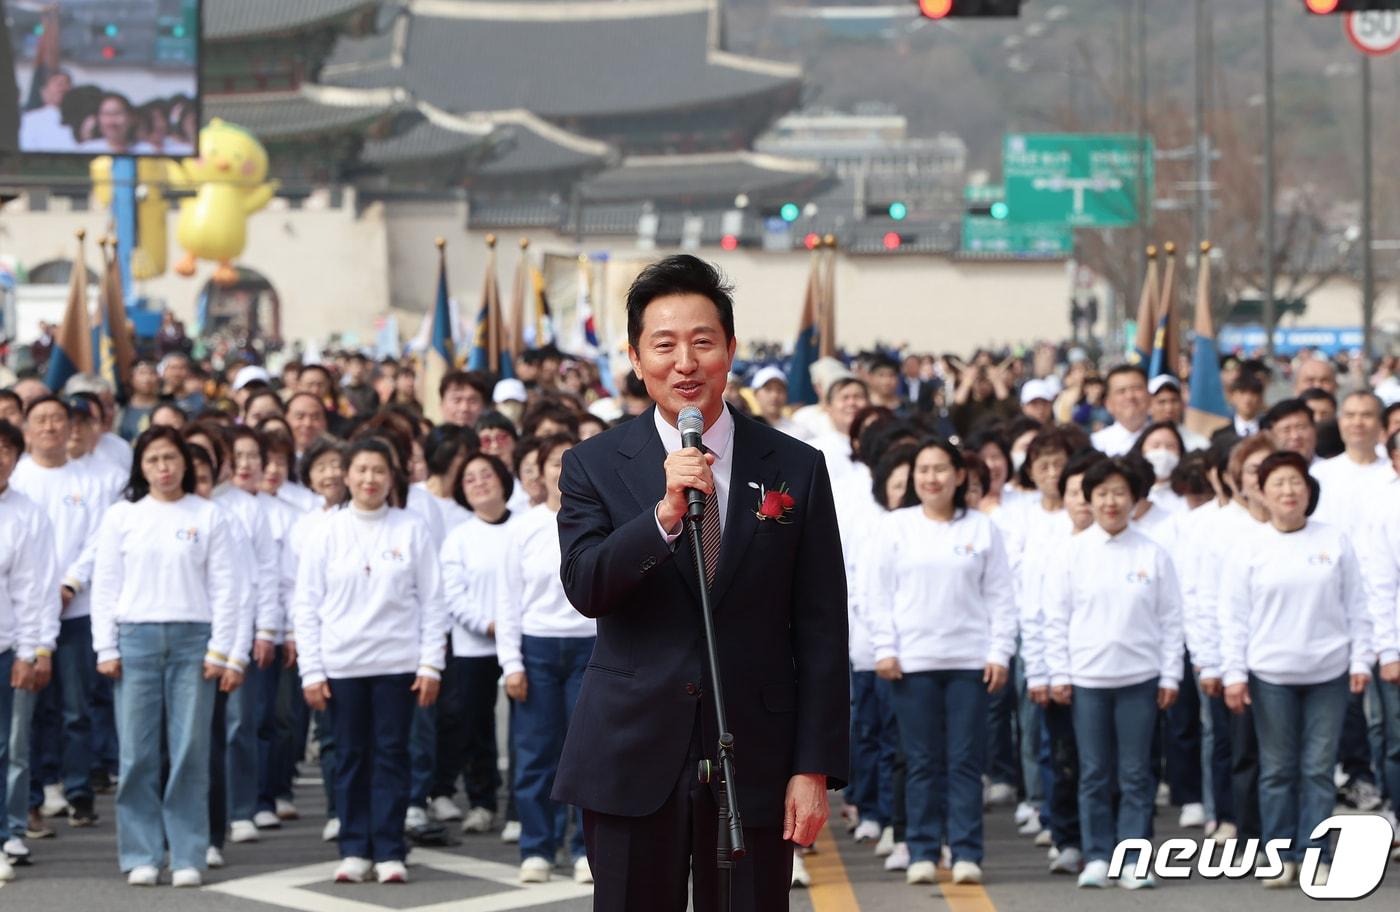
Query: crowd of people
x: 1060, y: 598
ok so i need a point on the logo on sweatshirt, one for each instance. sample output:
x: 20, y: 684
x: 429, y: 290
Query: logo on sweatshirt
x: 1321, y: 559
x: 1139, y: 577
x: 190, y: 535
x: 967, y: 550
x: 74, y: 500
x: 393, y: 554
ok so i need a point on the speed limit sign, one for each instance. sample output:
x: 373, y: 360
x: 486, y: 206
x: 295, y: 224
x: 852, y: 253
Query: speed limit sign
x: 1376, y: 32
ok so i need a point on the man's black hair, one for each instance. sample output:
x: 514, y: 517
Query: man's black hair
x: 675, y: 275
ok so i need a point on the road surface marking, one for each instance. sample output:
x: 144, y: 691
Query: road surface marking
x: 831, y: 889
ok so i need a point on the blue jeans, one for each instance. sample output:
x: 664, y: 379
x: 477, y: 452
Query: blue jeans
x: 1115, y: 723
x: 892, y: 767
x: 163, y: 681
x: 18, y: 728
x: 7, y: 659
x: 942, y: 725
x: 1181, y: 746
x: 1061, y: 811
x: 75, y: 676
x: 863, y: 792
x: 1029, y: 722
x: 105, y: 753
x: 1003, y: 758
x: 371, y: 718
x: 554, y: 668
x: 325, y: 742
x: 239, y: 742
x: 1390, y: 718
x: 422, y: 753
x: 1216, y: 791
x: 265, y: 686
x: 1299, y: 729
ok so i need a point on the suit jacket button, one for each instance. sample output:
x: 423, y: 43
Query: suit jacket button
x: 691, y: 690
x: 648, y: 563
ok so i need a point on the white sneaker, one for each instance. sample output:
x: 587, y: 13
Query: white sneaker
x: 331, y: 831
x: 1225, y: 831
x: 15, y: 851
x: 945, y: 858
x: 999, y: 793
x: 867, y: 831
x: 1031, y: 827
x: 1024, y: 811
x: 185, y: 877
x: 213, y: 857
x: 1284, y: 880
x: 800, y: 877
x: 243, y: 831
x: 416, y: 818
x: 267, y: 820
x: 391, y: 872
x: 286, y: 810
x: 967, y: 872
x: 55, y: 805
x: 1129, y: 881
x: 1043, y: 838
x: 1164, y: 795
x: 1069, y: 860
x: 511, y: 831
x: 582, y: 872
x: 535, y: 870
x: 353, y: 870
x: 1094, y: 876
x: 444, y: 809
x: 899, y: 858
x: 7, y: 873
x: 1192, y: 815
x: 478, y: 820
x: 921, y: 872
x: 886, y: 844
x: 144, y: 876
x: 850, y: 815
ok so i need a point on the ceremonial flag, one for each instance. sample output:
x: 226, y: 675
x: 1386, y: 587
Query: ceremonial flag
x: 1206, y: 410
x: 441, y: 354
x: 113, y: 352
x: 805, y: 349
x: 1147, y: 312
x: 1164, y: 343
x: 539, y: 330
x: 516, y: 323
x: 592, y: 347
x: 490, y: 346
x: 828, y: 300
x: 72, y: 348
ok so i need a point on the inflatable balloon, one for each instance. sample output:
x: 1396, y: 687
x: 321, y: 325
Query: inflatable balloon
x: 230, y: 182
x: 152, y: 174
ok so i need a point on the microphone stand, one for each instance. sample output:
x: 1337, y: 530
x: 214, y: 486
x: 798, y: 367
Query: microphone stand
x: 729, y: 841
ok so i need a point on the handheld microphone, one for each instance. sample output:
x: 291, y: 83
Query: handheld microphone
x: 691, y: 423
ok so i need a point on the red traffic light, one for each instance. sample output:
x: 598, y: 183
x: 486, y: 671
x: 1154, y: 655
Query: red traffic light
x: 1322, y: 7
x: 892, y: 240
x: 729, y: 242
x: 812, y: 240
x: 935, y: 9
x: 109, y: 52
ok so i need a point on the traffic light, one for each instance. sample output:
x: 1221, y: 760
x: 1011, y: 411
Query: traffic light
x: 954, y: 9
x: 789, y: 212
x: 1330, y: 7
x: 997, y: 210
x: 898, y: 211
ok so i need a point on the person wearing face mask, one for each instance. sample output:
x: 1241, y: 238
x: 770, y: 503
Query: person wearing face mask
x: 1296, y: 639
x: 1127, y: 401
x: 1113, y: 648
x: 1162, y: 446
x: 1060, y: 812
x: 943, y: 624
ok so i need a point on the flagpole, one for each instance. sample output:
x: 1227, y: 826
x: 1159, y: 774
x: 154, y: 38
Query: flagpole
x: 826, y: 315
x: 515, y: 323
x: 1147, y: 310
x: 493, y: 310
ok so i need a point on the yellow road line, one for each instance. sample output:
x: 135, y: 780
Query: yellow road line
x: 964, y: 897
x: 831, y: 889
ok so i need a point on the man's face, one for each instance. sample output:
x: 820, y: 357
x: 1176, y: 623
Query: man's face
x: 1039, y: 409
x: 82, y: 439
x: 912, y: 367
x: 1246, y: 403
x: 884, y: 382
x: 461, y: 405
x: 1322, y: 409
x: 47, y: 428
x: 314, y: 382
x: 9, y: 456
x: 307, y: 419
x: 682, y: 355
x: 772, y: 397
x: 1166, y: 406
x: 1127, y: 399
x: 844, y: 404
x: 1298, y: 434
x: 11, y: 412
x: 145, y: 380
x: 176, y: 370
x: 114, y: 122
x: 1360, y: 422
x: 1392, y: 424
x: 1315, y: 374
x: 355, y: 371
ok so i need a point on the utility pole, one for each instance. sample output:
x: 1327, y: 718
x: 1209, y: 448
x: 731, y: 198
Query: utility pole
x: 1144, y: 200
x: 1203, y: 148
x: 1270, y: 312
x: 1368, y: 266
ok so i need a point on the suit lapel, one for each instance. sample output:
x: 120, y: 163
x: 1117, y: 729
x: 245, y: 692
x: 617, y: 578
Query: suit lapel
x: 643, y: 472
x: 752, y: 463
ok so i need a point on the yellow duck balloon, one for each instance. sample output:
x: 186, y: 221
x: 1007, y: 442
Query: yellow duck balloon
x: 230, y: 182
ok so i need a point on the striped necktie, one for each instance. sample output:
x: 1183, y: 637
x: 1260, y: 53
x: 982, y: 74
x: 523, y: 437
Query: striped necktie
x: 710, y: 538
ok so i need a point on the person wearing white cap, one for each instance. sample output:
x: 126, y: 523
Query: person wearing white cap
x: 770, y: 391
x: 1037, y: 398
x: 815, y: 420
x: 509, y: 397
x: 1164, y: 392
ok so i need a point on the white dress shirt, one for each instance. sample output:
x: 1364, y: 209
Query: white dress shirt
x: 1246, y: 427
x: 1115, y: 440
x: 718, y: 439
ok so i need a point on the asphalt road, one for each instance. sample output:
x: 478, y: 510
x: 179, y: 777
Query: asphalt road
x: 291, y: 868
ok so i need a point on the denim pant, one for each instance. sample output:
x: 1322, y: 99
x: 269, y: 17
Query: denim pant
x: 75, y: 676
x: 1299, y: 728
x: 1355, y: 753
x: 1061, y: 811
x: 1244, y: 772
x: 1216, y: 792
x: 163, y: 682
x: 893, y: 771
x: 7, y: 695
x: 1030, y: 722
x: 554, y: 668
x: 942, y: 718
x: 293, y: 726
x: 325, y: 742
x: 1390, y: 716
x: 1113, y: 729
x: 863, y: 792
x: 17, y: 722
x: 372, y: 717
x: 467, y: 731
x: 105, y: 753
x: 45, y: 743
x: 1181, y: 744
x: 422, y: 754
x: 234, y: 756
x: 1002, y: 763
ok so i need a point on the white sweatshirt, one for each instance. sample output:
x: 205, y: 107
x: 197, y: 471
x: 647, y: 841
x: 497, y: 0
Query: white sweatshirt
x: 1293, y: 608
x: 306, y: 529
x: 29, y: 601
x: 74, y: 499
x: 1378, y: 550
x: 368, y: 598
x: 1218, y: 535
x: 940, y: 593
x: 424, y: 505
x: 281, y: 517
x: 260, y: 564
x: 1043, y: 551
x: 1347, y: 487
x: 530, y: 599
x: 1113, y: 613
x: 472, y: 558
x: 304, y: 500
x: 166, y: 563
x: 855, y: 547
x: 115, y: 450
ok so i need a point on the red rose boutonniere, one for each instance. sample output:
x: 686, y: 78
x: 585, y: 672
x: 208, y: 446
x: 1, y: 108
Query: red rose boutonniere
x: 774, y: 504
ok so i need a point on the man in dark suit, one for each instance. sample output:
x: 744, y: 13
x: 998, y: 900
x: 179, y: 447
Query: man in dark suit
x: 778, y: 588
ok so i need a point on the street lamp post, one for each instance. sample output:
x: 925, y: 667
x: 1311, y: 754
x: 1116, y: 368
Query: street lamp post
x: 1270, y: 315
x: 1368, y: 266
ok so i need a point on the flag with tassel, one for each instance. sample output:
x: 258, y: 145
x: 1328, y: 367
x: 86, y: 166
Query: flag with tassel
x: 72, y: 348
x: 1147, y: 312
x: 808, y: 344
x: 491, y: 346
x: 1206, y: 409
x: 1164, y: 343
x: 440, y: 356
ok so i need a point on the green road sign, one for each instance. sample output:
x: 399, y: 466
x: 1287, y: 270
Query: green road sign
x: 1083, y: 180
x: 994, y: 233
